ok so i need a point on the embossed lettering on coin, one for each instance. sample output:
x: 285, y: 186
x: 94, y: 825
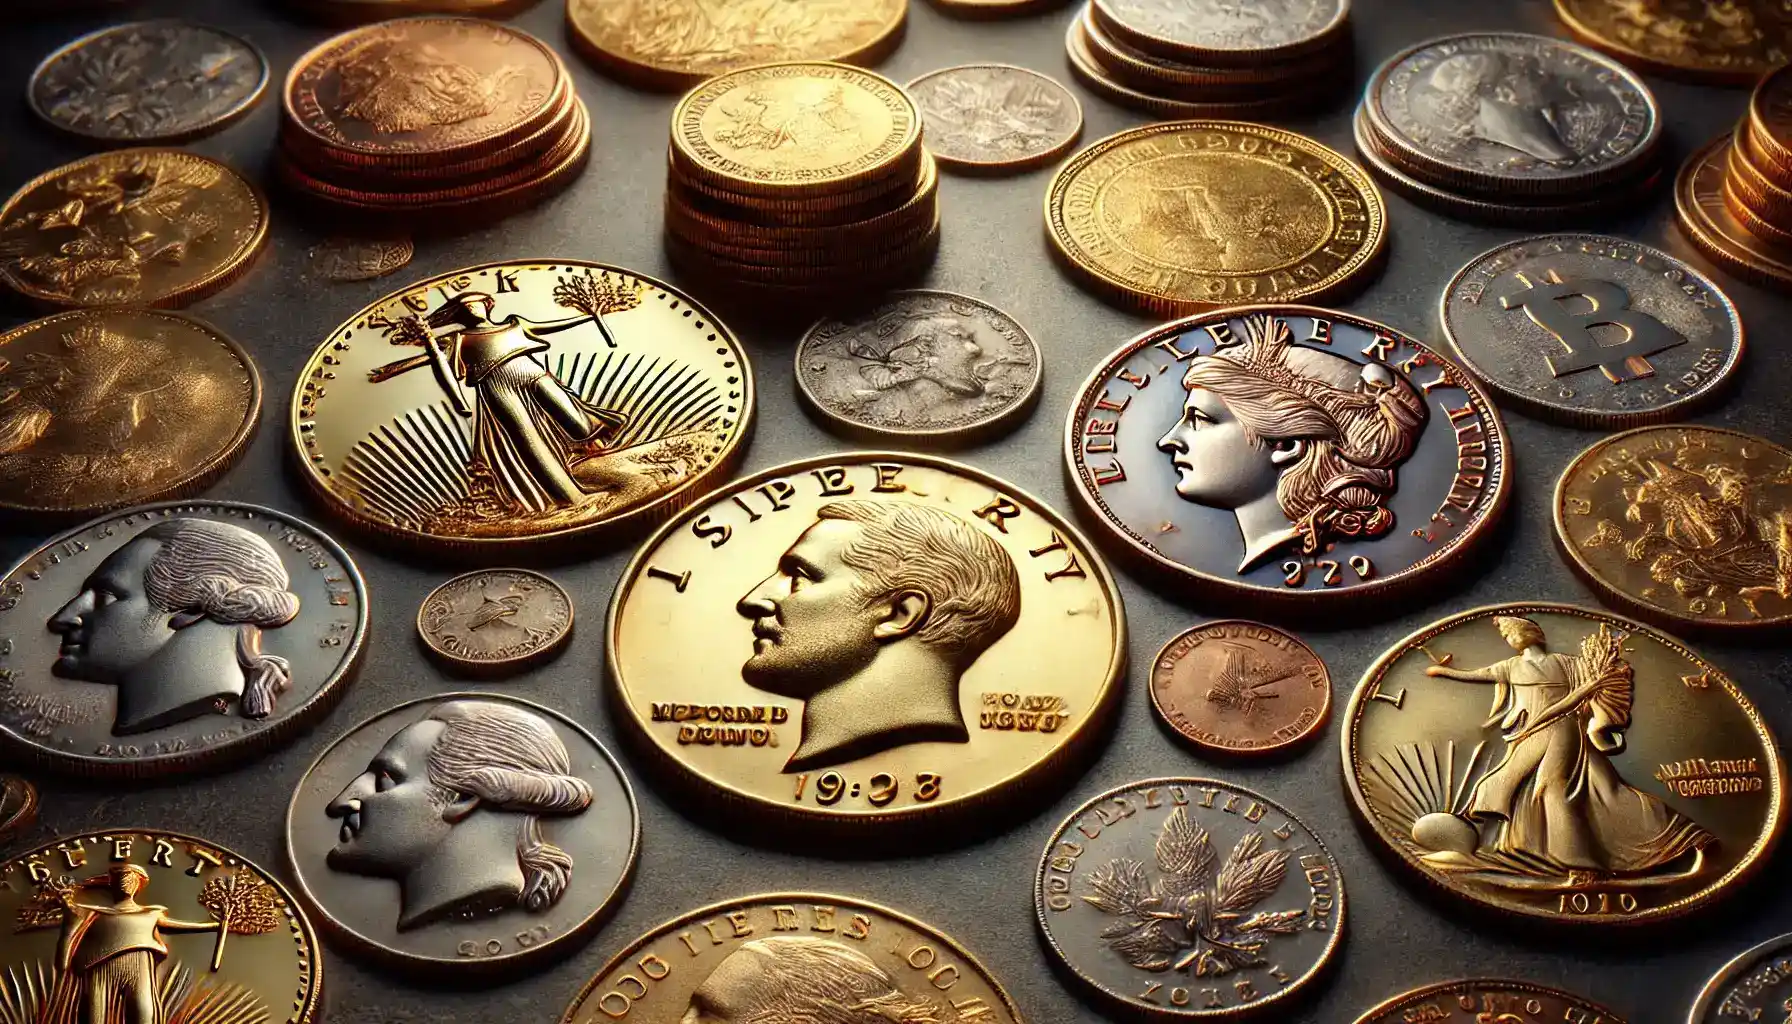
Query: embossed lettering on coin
x: 1233, y: 687
x: 1757, y: 985
x: 496, y: 619
x: 1483, y: 1000
x: 150, y: 81
x: 996, y: 117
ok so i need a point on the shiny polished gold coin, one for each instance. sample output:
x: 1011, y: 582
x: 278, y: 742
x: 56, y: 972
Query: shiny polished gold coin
x: 675, y: 44
x: 1770, y: 123
x: 1485, y: 1001
x: 1564, y: 764
x: 865, y: 639
x: 1184, y: 216
x: 1729, y: 43
x: 1707, y: 221
x: 137, y: 227
x: 111, y: 407
x: 1684, y: 525
x: 797, y: 957
x: 529, y: 401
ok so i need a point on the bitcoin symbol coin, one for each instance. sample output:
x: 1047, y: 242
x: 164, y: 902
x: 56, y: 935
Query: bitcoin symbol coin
x: 1627, y: 360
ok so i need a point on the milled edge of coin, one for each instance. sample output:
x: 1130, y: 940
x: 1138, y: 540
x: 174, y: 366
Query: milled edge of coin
x: 1596, y: 419
x: 1321, y: 964
x: 217, y: 124
x: 1102, y: 707
x: 1394, y: 587
x: 490, y: 667
x: 1701, y: 74
x: 1778, y: 81
x: 622, y: 958
x: 551, y: 950
x: 1393, y: 1003
x: 1702, y: 1011
x: 1087, y: 68
x: 1388, y: 849
x: 24, y: 815
x: 1326, y: 35
x: 1665, y: 618
x: 997, y: 168
x: 1752, y: 259
x: 196, y: 479
x: 1268, y: 751
x: 251, y: 744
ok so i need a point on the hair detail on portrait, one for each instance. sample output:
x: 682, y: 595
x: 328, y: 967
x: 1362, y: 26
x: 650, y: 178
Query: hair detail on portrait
x: 1501, y: 99
x: 819, y: 981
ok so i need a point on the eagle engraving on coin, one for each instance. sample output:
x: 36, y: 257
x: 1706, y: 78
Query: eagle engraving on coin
x: 151, y: 80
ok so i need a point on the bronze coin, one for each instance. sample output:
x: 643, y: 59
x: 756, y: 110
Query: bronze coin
x: 1237, y: 687
x: 1756, y: 986
x: 1486, y: 1001
x: 496, y: 621
x: 18, y: 806
x: 1708, y: 223
x: 344, y: 258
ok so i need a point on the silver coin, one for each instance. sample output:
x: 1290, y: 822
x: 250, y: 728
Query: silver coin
x: 1505, y: 112
x: 995, y: 117
x: 1262, y: 28
x: 1757, y: 985
x: 923, y: 366
x: 1593, y: 330
x: 149, y: 81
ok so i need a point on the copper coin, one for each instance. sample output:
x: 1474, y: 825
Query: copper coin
x: 496, y: 621
x: 1756, y: 986
x: 1238, y: 687
x: 343, y: 258
x: 1483, y: 1001
x: 18, y: 806
x: 1707, y: 221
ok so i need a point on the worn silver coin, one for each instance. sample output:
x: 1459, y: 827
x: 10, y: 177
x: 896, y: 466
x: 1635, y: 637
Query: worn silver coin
x: 1224, y: 32
x: 995, y: 118
x: 1507, y: 113
x: 1593, y: 331
x: 149, y: 81
x: 922, y: 367
x: 496, y: 621
x: 1756, y: 986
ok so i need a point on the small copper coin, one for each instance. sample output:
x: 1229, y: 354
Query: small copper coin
x: 1238, y: 687
x: 496, y: 621
x: 360, y: 259
x: 149, y: 81
x: 995, y: 118
x: 18, y: 806
x: 1756, y: 986
x: 1483, y: 1000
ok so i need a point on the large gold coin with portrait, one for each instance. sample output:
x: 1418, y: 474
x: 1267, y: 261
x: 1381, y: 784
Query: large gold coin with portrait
x: 1185, y: 216
x: 1560, y: 763
x: 514, y: 402
x: 865, y: 639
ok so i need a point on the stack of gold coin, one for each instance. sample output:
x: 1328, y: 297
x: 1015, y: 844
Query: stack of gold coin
x: 431, y: 116
x: 1194, y: 61
x: 1735, y: 195
x: 800, y: 177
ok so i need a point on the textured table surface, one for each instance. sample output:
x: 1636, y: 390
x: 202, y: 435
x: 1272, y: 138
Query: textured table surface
x: 994, y: 248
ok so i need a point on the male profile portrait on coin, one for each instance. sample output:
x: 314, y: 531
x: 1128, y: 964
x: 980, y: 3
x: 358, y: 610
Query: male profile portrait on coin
x: 871, y: 618
x: 789, y: 979
x: 1504, y: 100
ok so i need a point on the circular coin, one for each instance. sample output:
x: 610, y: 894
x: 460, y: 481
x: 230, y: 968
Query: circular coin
x: 343, y: 258
x: 521, y: 402
x: 1560, y: 763
x: 1591, y: 330
x: 888, y: 613
x: 1184, y: 216
x: 167, y: 638
x: 1757, y: 985
x: 995, y: 118
x: 496, y: 621
x: 922, y: 367
x: 676, y: 44
x: 981, y: 9
x: 18, y: 806
x: 148, y: 81
x: 1770, y: 121
x: 356, y: 11
x: 112, y: 407
x: 1218, y: 32
x: 1149, y: 890
x: 1682, y: 525
x: 133, y: 227
x: 1469, y: 112
x: 464, y: 832
x: 205, y: 934
x: 1480, y: 1000
x: 1732, y: 43
x: 1259, y: 102
x: 1235, y: 687
x: 1288, y: 456
x: 1707, y: 221
x: 788, y: 956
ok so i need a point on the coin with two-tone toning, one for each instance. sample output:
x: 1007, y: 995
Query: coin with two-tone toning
x: 1232, y: 687
x: 1756, y: 986
x: 1479, y: 1000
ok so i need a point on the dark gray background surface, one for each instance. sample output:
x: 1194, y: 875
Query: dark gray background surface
x: 993, y: 248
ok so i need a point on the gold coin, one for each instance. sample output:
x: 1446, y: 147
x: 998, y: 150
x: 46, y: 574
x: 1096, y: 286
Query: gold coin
x: 788, y: 956
x: 529, y: 401
x: 133, y: 227
x: 795, y: 129
x: 1558, y: 763
x: 700, y: 221
x: 1706, y: 220
x: 1486, y: 1000
x: 675, y: 44
x: 1185, y: 216
x: 1682, y: 525
x: 866, y: 639
x: 1770, y: 124
x: 1730, y: 43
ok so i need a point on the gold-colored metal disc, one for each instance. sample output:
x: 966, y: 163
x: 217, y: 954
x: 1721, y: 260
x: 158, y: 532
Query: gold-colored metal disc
x: 133, y: 227
x: 18, y: 807
x: 530, y: 401
x: 1732, y: 43
x: 1682, y: 525
x: 864, y: 640
x: 1770, y: 123
x: 1482, y: 1000
x: 1706, y: 220
x: 1185, y: 216
x: 1563, y: 764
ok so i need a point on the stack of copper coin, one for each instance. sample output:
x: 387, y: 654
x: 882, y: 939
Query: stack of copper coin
x: 431, y: 116
x: 1196, y: 62
x: 1735, y: 195
x: 801, y: 177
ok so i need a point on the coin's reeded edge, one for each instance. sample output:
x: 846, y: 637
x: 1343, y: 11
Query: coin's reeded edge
x: 1390, y: 846
x: 551, y: 950
x: 216, y: 124
x: 997, y: 168
x: 1443, y: 987
x: 1268, y: 751
x: 1702, y: 1005
x: 1761, y: 263
x: 1654, y: 614
x: 1718, y: 384
x: 1275, y: 99
x: 1102, y: 707
x: 505, y: 666
x: 1321, y: 963
x: 1641, y: 61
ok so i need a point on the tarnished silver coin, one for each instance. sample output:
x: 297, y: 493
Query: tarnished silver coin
x: 342, y: 258
x: 1756, y: 986
x: 149, y: 81
x: 1510, y: 113
x: 1224, y: 32
x: 1591, y: 330
x: 925, y: 367
x: 995, y: 118
x: 496, y: 621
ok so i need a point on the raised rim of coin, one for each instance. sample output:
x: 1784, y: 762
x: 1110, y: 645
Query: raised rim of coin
x: 497, y: 665
x: 1176, y: 49
x: 1426, y: 992
x: 1014, y: 165
x: 22, y: 814
x: 1163, y: 665
x: 1087, y: 67
x: 1707, y: 222
x: 218, y: 123
x: 1772, y: 100
x: 1706, y: 1008
x: 1728, y: 73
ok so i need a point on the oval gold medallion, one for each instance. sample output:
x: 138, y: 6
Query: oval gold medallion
x: 864, y: 639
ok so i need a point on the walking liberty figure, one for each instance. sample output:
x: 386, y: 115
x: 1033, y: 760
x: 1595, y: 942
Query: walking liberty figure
x: 113, y: 948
